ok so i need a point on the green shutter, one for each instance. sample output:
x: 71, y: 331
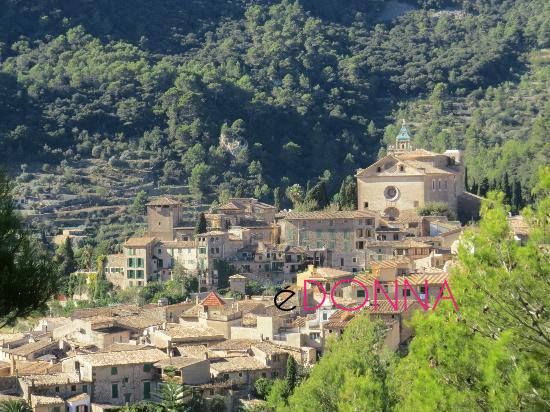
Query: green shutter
x: 146, y: 390
x: 114, y: 390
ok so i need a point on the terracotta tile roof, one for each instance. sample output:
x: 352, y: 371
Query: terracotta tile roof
x: 407, y: 216
x: 193, y: 351
x: 397, y: 244
x: 139, y: 241
x: 299, y: 322
x: 123, y: 357
x: 79, y: 397
x: 237, y: 276
x: 213, y: 300
x: 11, y: 337
x: 46, y: 400
x: 52, y: 379
x: 237, y: 363
x: 229, y: 206
x: 183, y: 244
x: 330, y: 214
x: 414, y: 154
x: 384, y: 307
x: 241, y: 203
x: 338, y: 320
x: 234, y: 345
x: 394, y: 263
x: 268, y: 347
x: 33, y: 367
x: 192, y: 312
x: 190, y: 331
x: 178, y: 362
x: 163, y: 201
x: 30, y: 348
x: 428, y: 168
x: 141, y: 321
x: 251, y: 306
x: 418, y: 279
x: 121, y: 347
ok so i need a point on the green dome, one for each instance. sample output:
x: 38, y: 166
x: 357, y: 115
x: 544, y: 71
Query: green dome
x: 403, y: 134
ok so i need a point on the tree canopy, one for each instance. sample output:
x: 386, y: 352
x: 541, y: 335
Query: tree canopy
x: 28, y: 276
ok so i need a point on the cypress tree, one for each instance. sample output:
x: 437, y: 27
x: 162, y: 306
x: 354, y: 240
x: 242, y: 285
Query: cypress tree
x: 200, y: 226
x: 506, y: 188
x: 517, y: 200
x: 277, y: 198
x: 66, y: 260
x: 291, y: 373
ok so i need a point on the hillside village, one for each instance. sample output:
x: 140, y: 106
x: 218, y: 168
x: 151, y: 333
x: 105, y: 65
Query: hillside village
x: 102, y: 358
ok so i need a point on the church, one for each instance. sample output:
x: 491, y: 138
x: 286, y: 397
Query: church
x: 408, y: 178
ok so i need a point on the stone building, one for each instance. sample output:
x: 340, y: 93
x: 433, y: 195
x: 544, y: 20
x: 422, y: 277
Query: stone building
x: 407, y: 178
x: 344, y: 234
x: 118, y: 377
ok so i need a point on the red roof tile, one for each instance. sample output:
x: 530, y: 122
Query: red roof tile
x: 213, y: 300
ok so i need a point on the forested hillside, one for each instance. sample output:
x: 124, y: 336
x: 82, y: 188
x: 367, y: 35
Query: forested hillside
x: 248, y: 97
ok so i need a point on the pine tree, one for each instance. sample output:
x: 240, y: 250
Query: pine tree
x: 201, y: 226
x: 28, y: 277
x: 139, y: 205
x: 495, y: 352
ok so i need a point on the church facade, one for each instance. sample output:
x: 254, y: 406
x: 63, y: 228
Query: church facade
x: 408, y: 178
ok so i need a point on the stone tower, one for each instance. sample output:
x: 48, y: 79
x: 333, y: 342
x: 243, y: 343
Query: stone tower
x: 163, y: 218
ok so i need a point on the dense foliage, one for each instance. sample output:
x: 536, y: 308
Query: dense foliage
x: 245, y: 97
x: 28, y: 278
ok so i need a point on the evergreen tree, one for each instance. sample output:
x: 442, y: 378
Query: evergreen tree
x: 349, y: 377
x: 66, y: 261
x: 291, y: 373
x: 201, y: 225
x: 139, y: 207
x: 483, y: 187
x: 347, y: 196
x: 262, y: 387
x: 277, y: 198
x: 28, y: 277
x: 317, y: 194
x: 506, y: 189
x: 516, y: 201
x: 495, y: 352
